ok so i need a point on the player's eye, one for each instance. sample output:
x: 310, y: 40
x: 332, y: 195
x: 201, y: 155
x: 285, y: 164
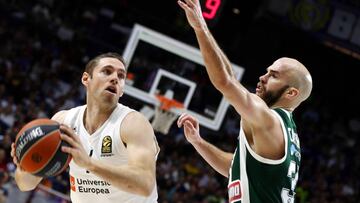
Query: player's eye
x: 121, y: 76
x: 107, y: 71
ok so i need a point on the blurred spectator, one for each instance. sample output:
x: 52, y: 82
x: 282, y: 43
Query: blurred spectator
x: 3, y: 179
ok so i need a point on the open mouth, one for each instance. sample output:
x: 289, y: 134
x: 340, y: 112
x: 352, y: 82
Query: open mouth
x: 111, y: 89
x: 259, y: 89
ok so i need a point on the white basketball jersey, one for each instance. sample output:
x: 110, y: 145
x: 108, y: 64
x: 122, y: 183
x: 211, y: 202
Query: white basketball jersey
x: 106, y: 145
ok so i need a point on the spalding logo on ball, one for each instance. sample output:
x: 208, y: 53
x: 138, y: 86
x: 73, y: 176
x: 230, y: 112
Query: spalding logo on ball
x: 38, y: 148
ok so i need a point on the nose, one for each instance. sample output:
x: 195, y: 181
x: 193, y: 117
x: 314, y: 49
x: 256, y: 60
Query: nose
x: 114, y: 78
x: 262, y: 78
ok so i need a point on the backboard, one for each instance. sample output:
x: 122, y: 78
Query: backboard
x: 158, y: 64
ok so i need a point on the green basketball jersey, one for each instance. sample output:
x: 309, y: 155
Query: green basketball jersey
x: 254, y: 179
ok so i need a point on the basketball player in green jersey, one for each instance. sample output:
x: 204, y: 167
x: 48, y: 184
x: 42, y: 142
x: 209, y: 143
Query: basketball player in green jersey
x: 265, y: 165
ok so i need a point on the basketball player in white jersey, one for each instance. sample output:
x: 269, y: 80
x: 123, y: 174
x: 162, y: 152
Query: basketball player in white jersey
x: 113, y: 147
x: 265, y: 165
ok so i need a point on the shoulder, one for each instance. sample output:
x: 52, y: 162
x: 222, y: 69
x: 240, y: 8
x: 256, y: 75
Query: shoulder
x: 259, y: 114
x: 135, y: 119
x: 263, y: 117
x: 269, y: 121
x: 60, y: 116
x: 72, y: 113
x: 136, y: 125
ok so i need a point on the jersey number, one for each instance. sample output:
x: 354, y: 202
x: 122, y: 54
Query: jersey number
x: 293, y: 175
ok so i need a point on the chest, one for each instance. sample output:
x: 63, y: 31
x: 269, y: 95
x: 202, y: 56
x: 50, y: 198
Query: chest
x: 104, y: 145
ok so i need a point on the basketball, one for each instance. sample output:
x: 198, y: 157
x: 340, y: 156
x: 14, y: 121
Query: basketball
x: 38, y: 148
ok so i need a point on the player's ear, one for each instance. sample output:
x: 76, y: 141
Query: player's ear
x: 292, y: 93
x: 85, y: 79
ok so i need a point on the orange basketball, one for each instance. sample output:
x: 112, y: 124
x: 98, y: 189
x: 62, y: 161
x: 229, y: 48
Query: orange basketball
x: 38, y: 148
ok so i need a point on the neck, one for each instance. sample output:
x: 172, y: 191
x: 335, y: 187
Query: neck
x: 290, y: 109
x: 95, y: 115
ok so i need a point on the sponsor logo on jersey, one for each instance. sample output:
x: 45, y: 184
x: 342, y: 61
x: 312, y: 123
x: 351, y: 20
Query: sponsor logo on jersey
x: 72, y: 183
x: 234, y: 190
x: 106, y: 146
x: 89, y: 186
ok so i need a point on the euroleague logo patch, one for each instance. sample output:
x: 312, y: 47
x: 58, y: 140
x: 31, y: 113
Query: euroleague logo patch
x: 106, y: 146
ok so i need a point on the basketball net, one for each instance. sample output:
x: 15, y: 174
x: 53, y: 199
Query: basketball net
x: 163, y: 117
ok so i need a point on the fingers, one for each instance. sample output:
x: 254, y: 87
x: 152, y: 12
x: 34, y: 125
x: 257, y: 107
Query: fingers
x: 187, y: 4
x: 69, y: 132
x: 68, y: 135
x: 190, y: 3
x: 68, y: 150
x: 75, y: 149
x: 186, y: 117
x: 69, y: 140
x: 12, y: 153
x: 65, y: 129
x: 189, y: 126
x: 15, y: 161
x: 180, y: 120
x: 183, y: 5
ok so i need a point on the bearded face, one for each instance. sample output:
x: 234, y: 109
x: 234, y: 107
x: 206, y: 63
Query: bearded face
x: 270, y: 97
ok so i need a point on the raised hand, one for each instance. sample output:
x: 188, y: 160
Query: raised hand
x: 193, y: 13
x: 191, y: 128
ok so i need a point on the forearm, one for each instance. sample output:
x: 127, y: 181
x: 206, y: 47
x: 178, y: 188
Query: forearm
x: 216, y: 63
x: 216, y: 158
x: 222, y: 75
x: 26, y: 181
x: 127, y: 178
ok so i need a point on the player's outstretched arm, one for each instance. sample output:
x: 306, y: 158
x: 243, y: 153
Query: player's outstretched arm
x: 218, y: 159
x: 138, y: 176
x: 248, y: 105
x: 216, y: 62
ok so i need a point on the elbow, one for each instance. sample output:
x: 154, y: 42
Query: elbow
x: 146, y: 193
x: 222, y: 83
x: 24, y: 188
x: 147, y: 187
x: 147, y: 190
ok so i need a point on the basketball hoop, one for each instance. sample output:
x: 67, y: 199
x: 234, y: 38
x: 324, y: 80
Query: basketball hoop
x: 163, y: 117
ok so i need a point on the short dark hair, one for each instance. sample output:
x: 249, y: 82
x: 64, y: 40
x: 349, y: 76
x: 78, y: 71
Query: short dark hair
x: 89, y: 68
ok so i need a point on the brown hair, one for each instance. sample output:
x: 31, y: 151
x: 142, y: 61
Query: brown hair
x: 89, y: 68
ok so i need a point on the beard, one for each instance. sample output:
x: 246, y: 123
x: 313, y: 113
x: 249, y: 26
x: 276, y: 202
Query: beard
x: 271, y: 97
